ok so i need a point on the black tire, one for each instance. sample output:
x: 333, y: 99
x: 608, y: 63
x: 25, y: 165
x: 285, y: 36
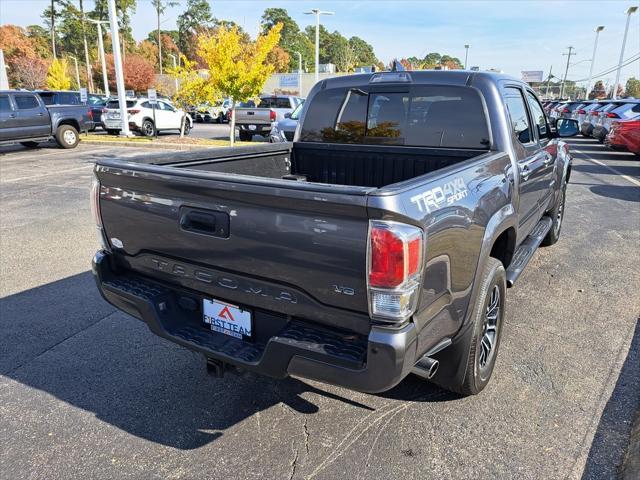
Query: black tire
x: 67, y: 136
x: 187, y: 127
x: 111, y: 131
x: 148, y: 128
x: 245, y: 136
x: 220, y: 118
x: 30, y: 144
x: 556, y: 214
x: 483, y: 352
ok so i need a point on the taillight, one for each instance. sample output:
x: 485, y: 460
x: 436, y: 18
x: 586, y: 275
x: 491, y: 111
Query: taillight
x: 134, y: 111
x: 581, y: 111
x: 565, y: 110
x: 104, y: 110
x: 90, y: 113
x: 394, y: 269
x: 612, y: 115
x: 230, y: 114
x: 95, y: 211
x: 272, y: 115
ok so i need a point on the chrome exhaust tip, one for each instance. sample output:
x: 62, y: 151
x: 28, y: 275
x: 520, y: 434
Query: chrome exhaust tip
x: 426, y: 368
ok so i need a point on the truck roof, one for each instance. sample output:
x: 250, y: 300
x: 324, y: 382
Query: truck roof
x: 442, y: 77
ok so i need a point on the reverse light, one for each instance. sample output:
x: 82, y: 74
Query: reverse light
x: 395, y: 260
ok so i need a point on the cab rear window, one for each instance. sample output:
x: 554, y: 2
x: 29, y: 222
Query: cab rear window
x: 426, y: 116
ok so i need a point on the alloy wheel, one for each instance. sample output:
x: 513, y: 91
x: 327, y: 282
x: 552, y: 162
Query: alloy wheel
x: 490, y: 328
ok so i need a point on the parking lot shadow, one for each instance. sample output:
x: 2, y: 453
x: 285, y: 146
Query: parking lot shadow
x: 612, y: 435
x: 85, y: 354
x: 631, y: 170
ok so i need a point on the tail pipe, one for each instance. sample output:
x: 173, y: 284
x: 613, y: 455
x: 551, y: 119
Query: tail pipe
x: 426, y: 367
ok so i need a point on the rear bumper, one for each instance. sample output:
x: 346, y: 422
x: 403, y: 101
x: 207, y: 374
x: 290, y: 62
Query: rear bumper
x: 372, y: 363
x: 259, y: 128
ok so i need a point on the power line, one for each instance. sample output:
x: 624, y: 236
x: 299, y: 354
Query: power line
x: 629, y: 60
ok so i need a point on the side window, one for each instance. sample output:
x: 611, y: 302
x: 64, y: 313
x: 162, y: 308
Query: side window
x: 538, y: 116
x: 519, y: 116
x: 166, y: 106
x: 146, y: 105
x: 26, y: 102
x: 5, y: 103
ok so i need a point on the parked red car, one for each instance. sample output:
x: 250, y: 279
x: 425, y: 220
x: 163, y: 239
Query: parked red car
x: 624, y: 135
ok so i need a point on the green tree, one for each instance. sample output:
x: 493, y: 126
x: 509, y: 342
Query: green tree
x: 196, y: 17
x: 632, y: 88
x: 124, y: 10
x: 40, y: 40
x: 363, y: 52
x: 325, y: 41
x: 292, y: 40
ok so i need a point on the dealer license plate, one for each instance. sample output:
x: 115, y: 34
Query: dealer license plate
x: 227, y: 318
x: 114, y: 115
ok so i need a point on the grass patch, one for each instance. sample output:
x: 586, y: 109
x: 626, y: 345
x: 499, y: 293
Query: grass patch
x: 210, y: 142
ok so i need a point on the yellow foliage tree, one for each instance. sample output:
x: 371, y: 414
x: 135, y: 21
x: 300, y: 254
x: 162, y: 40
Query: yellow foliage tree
x: 57, y: 77
x: 237, y: 68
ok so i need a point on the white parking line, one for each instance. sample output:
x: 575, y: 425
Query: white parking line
x: 57, y: 172
x: 617, y: 172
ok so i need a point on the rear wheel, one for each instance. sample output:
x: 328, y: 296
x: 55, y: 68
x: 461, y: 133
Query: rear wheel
x: 29, y: 144
x: 220, y: 118
x: 245, y: 136
x: 148, y: 128
x: 67, y: 136
x: 187, y: 127
x: 487, y: 317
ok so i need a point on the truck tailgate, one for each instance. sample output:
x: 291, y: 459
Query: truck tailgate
x: 253, y: 115
x: 279, y: 245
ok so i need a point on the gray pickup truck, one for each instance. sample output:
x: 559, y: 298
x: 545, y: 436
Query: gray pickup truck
x: 26, y: 119
x: 252, y: 120
x: 380, y: 242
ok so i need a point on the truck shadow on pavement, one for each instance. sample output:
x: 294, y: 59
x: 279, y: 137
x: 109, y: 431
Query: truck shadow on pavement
x: 63, y: 339
x: 612, y: 435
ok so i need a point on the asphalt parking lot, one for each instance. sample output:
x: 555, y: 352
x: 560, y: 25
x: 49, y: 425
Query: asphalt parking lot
x: 89, y: 392
x: 214, y: 131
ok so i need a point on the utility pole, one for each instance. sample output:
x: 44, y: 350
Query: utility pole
x: 546, y: 94
x: 102, y: 57
x: 75, y: 60
x: 173, y: 57
x: 317, y: 12
x: 86, y: 48
x: 599, y: 28
x: 299, y: 73
x: 117, y: 63
x: 466, y: 55
x: 566, y: 71
x: 629, y: 12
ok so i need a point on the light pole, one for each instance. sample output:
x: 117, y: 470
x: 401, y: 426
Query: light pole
x: 102, y: 58
x: 299, y: 73
x: 317, y: 12
x: 117, y: 63
x: 629, y: 11
x: 599, y: 28
x: 173, y: 57
x: 75, y: 60
x: 466, y: 55
x: 564, y: 80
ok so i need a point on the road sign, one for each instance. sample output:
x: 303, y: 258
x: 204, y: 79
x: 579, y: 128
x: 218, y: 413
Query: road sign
x: 290, y: 80
x: 532, y: 76
x: 152, y: 96
x: 83, y: 95
x: 130, y: 94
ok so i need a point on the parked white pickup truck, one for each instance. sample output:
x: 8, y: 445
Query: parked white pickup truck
x: 260, y: 119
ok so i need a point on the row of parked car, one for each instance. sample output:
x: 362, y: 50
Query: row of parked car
x: 615, y: 123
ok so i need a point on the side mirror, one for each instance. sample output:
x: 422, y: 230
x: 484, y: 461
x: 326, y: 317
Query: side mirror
x: 567, y: 127
x: 287, y: 115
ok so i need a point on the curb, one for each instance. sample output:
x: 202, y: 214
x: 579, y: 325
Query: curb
x: 631, y: 465
x: 153, y: 145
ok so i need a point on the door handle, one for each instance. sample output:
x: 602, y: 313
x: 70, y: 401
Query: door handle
x: 525, y: 171
x: 40, y: 114
x: 12, y: 115
x: 548, y: 159
x: 205, y: 222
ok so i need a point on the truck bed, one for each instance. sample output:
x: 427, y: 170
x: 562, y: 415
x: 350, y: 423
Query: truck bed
x: 348, y: 165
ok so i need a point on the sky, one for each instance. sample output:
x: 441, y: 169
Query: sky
x: 508, y: 35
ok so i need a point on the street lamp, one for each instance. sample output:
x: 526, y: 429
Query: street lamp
x: 117, y: 63
x: 629, y: 12
x: 466, y: 55
x: 317, y: 12
x: 173, y: 57
x: 299, y: 72
x: 599, y: 28
x: 75, y: 60
x: 102, y: 58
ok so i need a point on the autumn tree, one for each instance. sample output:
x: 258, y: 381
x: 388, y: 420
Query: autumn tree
x: 598, y: 91
x: 160, y: 6
x: 14, y: 43
x: 279, y: 58
x: 29, y: 73
x: 139, y: 74
x: 292, y: 40
x: 237, y: 69
x: 57, y: 75
x: 632, y: 88
x: 148, y: 51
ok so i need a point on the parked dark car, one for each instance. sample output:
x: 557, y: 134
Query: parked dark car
x: 25, y: 119
x: 97, y: 103
x: 381, y: 242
